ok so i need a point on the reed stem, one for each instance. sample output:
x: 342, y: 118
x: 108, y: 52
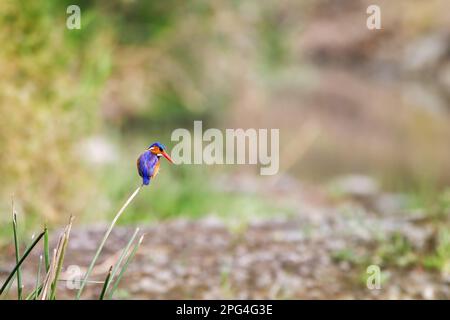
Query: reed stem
x: 17, y: 250
x: 102, y: 244
x: 25, y: 255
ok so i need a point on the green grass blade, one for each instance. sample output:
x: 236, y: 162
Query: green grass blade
x: 125, y: 266
x: 105, y: 285
x: 38, y: 276
x: 8, y: 287
x: 14, y: 277
x: 35, y: 293
x: 102, y: 244
x: 27, y: 252
x: 17, y: 251
x: 46, y: 250
x: 122, y: 256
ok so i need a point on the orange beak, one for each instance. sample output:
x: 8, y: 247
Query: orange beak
x: 166, y: 156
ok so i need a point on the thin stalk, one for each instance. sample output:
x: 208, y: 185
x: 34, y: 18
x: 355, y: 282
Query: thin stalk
x: 65, y: 240
x: 17, y: 250
x: 46, y: 250
x: 35, y: 293
x: 125, y: 266
x: 48, y: 278
x: 97, y: 254
x: 90, y: 281
x: 14, y: 277
x: 105, y: 285
x: 8, y: 287
x: 25, y: 255
x: 38, y: 277
x: 125, y: 251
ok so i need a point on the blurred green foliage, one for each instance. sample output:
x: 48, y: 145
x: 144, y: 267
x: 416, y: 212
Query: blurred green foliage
x: 396, y: 251
x: 48, y: 100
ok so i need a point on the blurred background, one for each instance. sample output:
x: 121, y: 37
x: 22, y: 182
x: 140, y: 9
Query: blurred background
x: 364, y: 119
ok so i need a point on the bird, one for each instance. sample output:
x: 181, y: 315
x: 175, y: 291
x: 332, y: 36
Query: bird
x: 148, y: 162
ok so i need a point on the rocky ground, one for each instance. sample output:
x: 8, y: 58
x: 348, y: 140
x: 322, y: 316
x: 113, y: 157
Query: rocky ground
x: 320, y: 252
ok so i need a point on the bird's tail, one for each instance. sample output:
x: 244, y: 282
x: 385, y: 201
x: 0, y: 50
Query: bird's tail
x: 146, y: 181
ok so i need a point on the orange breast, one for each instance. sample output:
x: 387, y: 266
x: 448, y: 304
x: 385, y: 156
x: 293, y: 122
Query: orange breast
x: 156, y: 169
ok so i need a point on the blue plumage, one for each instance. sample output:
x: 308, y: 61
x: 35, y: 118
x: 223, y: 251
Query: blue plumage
x: 159, y: 145
x: 146, y: 164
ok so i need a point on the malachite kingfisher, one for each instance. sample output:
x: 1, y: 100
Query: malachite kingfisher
x: 148, y: 162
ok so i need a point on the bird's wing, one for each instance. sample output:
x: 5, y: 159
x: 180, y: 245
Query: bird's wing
x: 145, y: 164
x: 138, y: 165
